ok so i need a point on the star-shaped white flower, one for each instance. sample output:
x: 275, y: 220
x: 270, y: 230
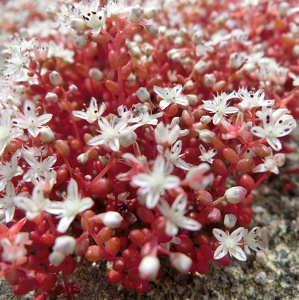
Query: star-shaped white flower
x: 7, y: 131
x: 219, y: 106
x: 92, y: 113
x: 110, y: 133
x: 173, y: 156
x: 175, y: 218
x: 275, y: 124
x: 29, y: 120
x: 35, y: 205
x: 67, y: 210
x: 207, y: 156
x: 15, y: 63
x: 229, y: 243
x: 251, y: 99
x: 250, y: 240
x: 152, y: 185
x: 171, y: 95
x: 7, y: 202
x: 39, y: 168
x: 10, y: 169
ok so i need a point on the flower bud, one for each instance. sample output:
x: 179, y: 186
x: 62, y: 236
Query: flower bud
x: 82, y: 158
x: 47, y: 135
x: 96, y: 74
x: 65, y: 244
x: 136, y: 14
x: 149, y: 267
x: 55, y: 78
x: 205, y: 120
x: 235, y: 60
x: 153, y: 30
x: 192, y: 99
x: 235, y: 194
x: 206, y: 135
x: 209, y: 80
x: 142, y: 94
x: 81, y: 41
x: 73, y: 88
x: 200, y: 67
x: 56, y: 258
x: 77, y: 24
x: 279, y: 159
x: 230, y: 221
x: 189, y: 85
x: 134, y: 51
x: 110, y: 219
x: 51, y: 97
x: 197, y: 37
x: 181, y: 261
x: 151, y: 13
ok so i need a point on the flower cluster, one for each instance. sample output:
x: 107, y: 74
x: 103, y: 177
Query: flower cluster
x: 130, y: 130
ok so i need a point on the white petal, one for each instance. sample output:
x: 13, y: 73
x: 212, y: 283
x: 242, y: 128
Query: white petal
x: 220, y: 252
x: 219, y: 234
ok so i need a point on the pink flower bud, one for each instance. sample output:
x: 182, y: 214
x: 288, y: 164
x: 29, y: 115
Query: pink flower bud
x: 235, y: 194
x: 279, y: 159
x: 149, y: 267
x: 181, y: 261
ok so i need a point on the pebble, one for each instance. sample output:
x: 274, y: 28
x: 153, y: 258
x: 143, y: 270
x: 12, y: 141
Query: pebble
x: 261, y: 278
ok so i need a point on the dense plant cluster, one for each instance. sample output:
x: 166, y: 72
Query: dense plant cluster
x: 135, y: 130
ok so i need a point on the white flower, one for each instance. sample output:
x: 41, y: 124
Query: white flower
x: 171, y: 95
x: 39, y: 168
x: 275, y: 124
x: 174, y: 215
x: 92, y: 113
x: 197, y: 179
x: 251, y: 99
x: 14, y: 65
x: 207, y: 156
x: 173, y: 156
x: 229, y: 243
x: 219, y: 106
x: 109, y: 133
x: 7, y: 132
x: 29, y: 120
x: 94, y: 17
x: 168, y: 134
x: 10, y: 169
x: 270, y: 163
x: 116, y: 7
x: 7, y: 202
x: 250, y: 240
x: 33, y: 206
x: 70, y: 207
x: 152, y: 185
